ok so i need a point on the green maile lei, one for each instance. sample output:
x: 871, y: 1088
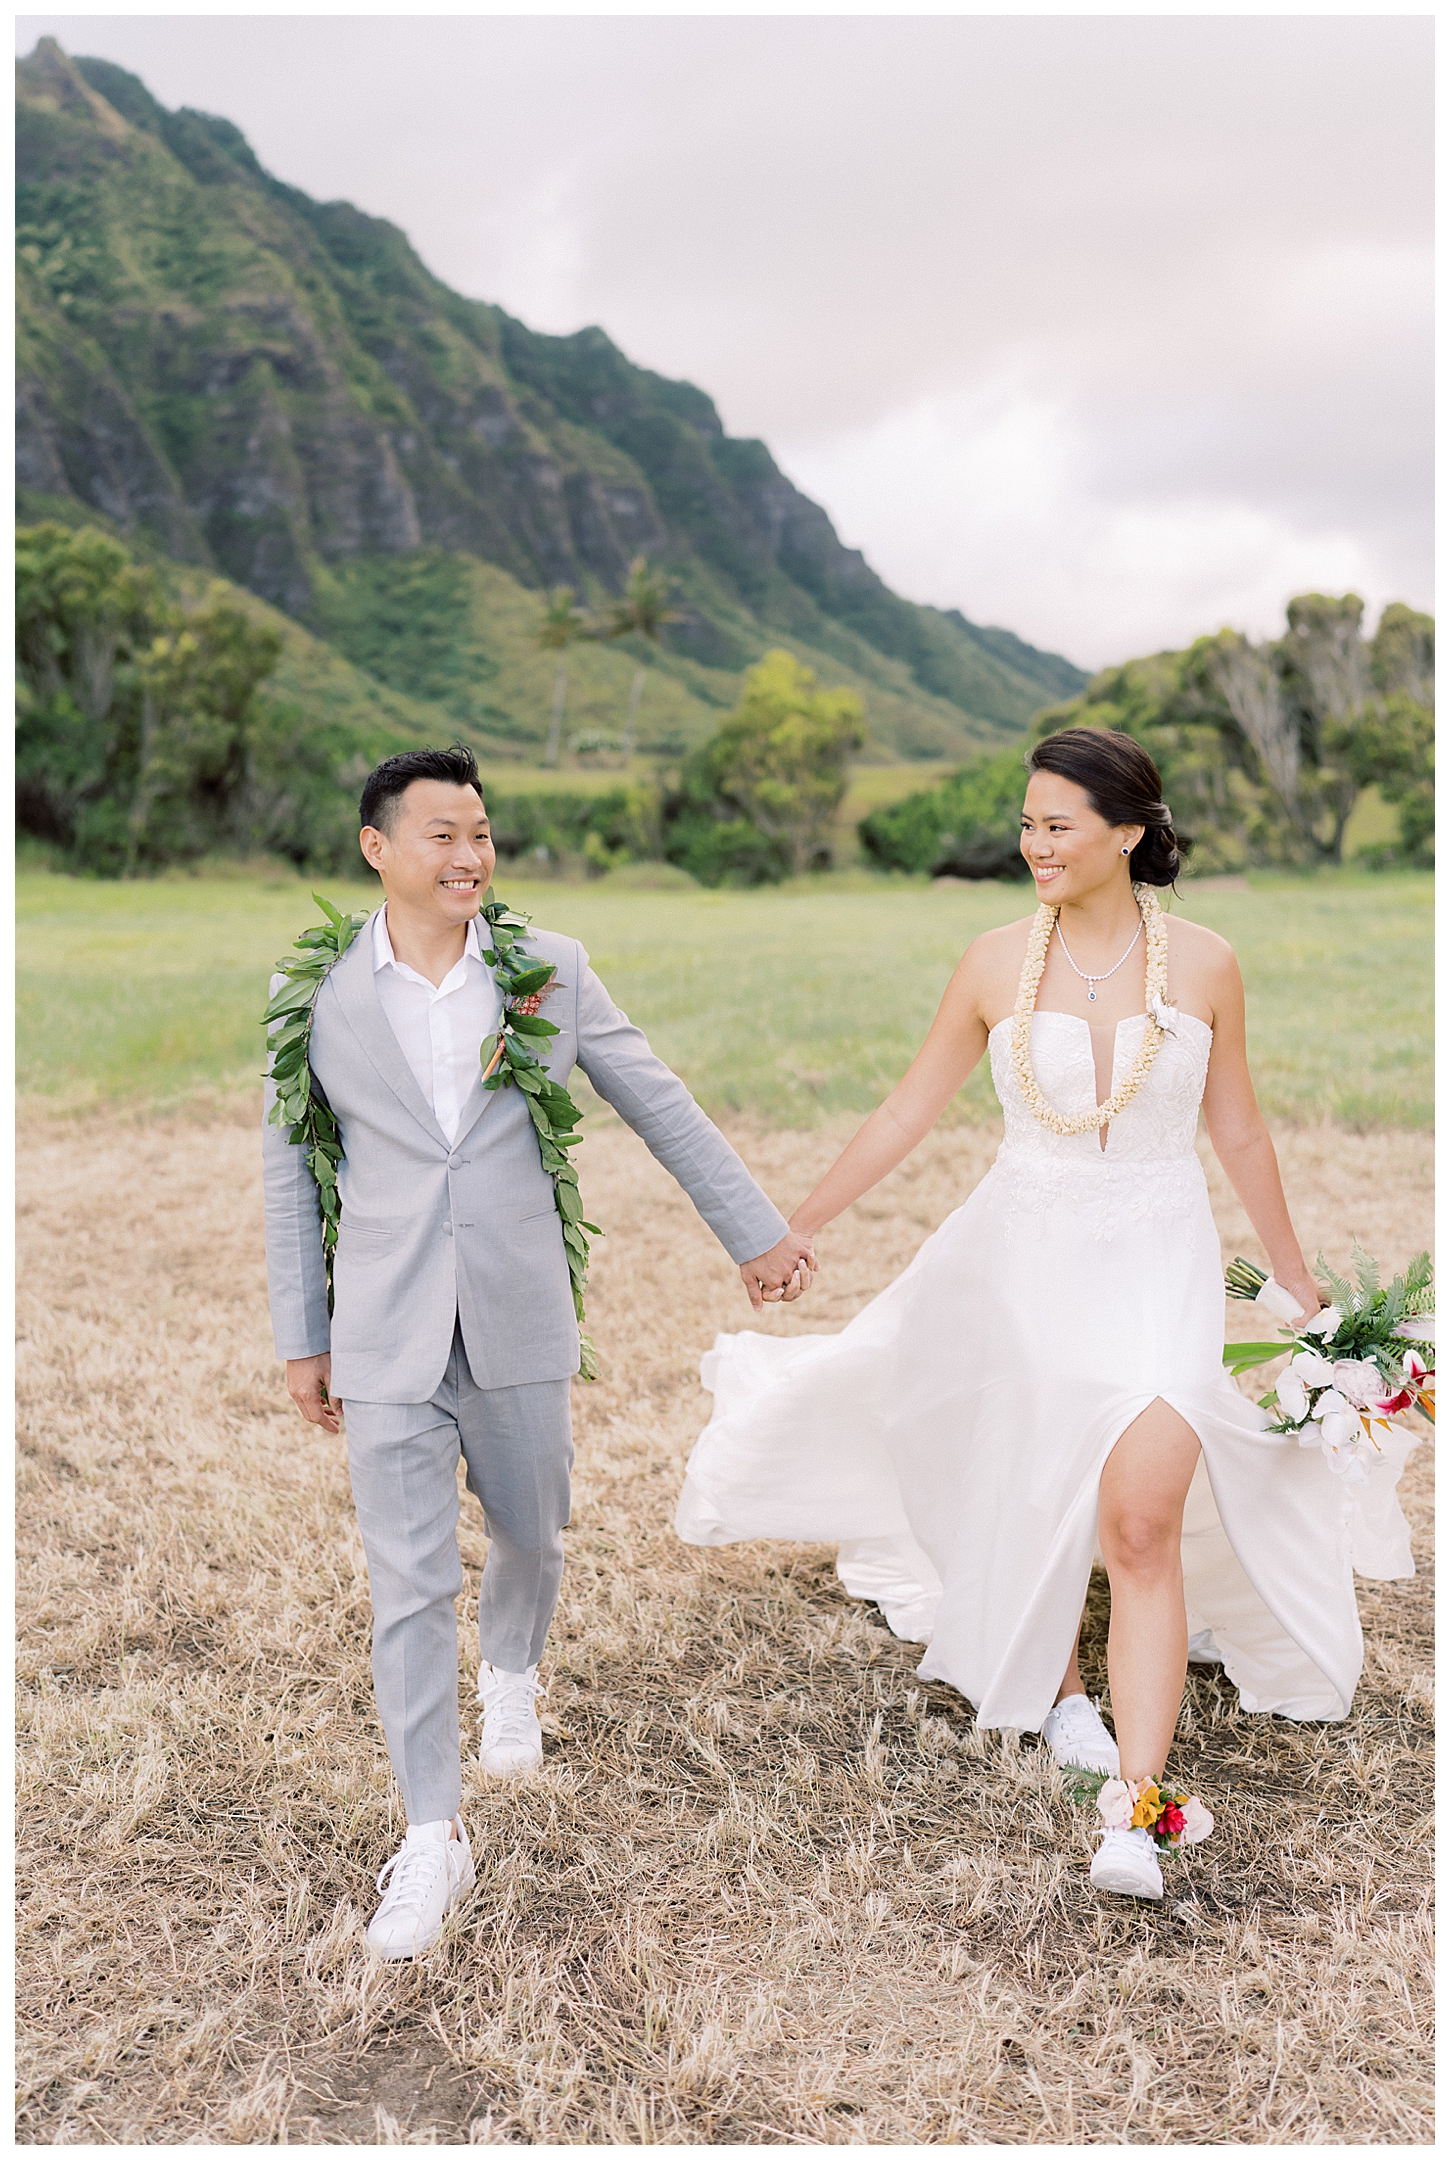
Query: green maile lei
x: 507, y: 1061
x: 301, y: 1107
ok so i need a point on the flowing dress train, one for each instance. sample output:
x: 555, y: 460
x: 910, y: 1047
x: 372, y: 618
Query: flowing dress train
x: 951, y: 1438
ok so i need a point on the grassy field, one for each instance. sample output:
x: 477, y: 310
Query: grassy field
x: 788, y: 1004
x: 770, y: 1888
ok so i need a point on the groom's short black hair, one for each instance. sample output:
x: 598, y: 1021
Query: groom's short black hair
x: 386, y: 783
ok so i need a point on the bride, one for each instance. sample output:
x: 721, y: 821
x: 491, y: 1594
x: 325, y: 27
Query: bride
x: 1045, y: 1380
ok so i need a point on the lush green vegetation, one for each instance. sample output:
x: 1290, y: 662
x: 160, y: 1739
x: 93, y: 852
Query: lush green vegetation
x: 140, y: 738
x: 805, y: 1000
x: 163, y: 718
x: 149, y: 734
x: 622, y: 806
x: 1266, y: 751
x: 278, y: 390
x: 757, y: 803
x: 408, y: 474
x: 967, y: 826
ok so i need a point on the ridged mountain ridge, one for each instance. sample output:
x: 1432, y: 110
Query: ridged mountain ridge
x: 279, y: 389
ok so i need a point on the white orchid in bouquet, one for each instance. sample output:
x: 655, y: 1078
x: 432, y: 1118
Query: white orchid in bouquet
x: 1359, y: 1362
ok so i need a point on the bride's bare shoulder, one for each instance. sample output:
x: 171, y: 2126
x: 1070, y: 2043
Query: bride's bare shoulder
x: 992, y: 963
x: 1198, y: 945
x: 1203, y: 967
x: 994, y: 948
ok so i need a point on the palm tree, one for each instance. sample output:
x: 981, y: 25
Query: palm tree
x: 642, y: 610
x: 561, y: 623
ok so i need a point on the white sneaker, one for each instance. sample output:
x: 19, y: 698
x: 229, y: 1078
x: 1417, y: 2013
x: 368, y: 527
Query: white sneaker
x: 1127, y: 1863
x: 431, y: 1873
x: 1078, y: 1737
x: 513, y: 1740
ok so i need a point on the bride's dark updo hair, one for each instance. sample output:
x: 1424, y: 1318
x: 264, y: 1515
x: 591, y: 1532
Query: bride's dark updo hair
x: 1124, y: 786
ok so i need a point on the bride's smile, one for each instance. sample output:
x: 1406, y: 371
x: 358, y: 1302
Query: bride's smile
x: 1074, y: 854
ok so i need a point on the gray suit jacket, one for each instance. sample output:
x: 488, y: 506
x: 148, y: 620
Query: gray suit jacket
x: 429, y: 1231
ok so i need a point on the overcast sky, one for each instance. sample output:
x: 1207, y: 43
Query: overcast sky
x: 1111, y: 330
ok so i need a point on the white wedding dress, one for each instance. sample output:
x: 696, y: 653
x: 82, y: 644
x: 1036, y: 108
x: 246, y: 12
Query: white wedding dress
x: 952, y: 1436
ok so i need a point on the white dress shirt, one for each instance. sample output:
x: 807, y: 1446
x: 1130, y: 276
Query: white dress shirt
x: 439, y: 1030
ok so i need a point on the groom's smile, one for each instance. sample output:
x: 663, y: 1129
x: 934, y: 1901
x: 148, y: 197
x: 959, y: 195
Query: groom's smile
x: 434, y: 852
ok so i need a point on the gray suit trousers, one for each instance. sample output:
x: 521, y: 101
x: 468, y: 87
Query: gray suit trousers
x: 403, y: 1461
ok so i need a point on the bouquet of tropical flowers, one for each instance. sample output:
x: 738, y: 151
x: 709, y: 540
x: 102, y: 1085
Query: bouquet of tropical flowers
x: 1357, y: 1363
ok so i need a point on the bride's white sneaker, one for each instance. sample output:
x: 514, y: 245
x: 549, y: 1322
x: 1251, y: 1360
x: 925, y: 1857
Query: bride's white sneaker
x: 513, y: 1739
x: 1127, y: 1863
x: 1078, y: 1737
x: 430, y: 1873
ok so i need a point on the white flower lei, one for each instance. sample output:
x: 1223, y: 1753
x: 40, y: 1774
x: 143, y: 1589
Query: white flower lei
x: 1156, y: 932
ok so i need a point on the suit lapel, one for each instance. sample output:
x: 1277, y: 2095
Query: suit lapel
x: 356, y: 993
x: 477, y: 1101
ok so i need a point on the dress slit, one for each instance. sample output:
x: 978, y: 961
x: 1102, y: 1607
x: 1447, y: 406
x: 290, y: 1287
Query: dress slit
x: 1047, y: 1627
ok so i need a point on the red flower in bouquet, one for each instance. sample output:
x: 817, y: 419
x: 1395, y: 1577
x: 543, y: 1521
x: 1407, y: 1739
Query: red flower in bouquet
x: 1170, y: 1823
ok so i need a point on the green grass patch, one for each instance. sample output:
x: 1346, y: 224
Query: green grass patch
x: 789, y: 1004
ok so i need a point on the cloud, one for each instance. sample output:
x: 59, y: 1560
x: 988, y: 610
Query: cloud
x: 1014, y: 514
x: 1107, y: 328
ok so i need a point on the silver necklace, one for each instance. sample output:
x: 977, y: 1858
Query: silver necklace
x: 1093, y: 980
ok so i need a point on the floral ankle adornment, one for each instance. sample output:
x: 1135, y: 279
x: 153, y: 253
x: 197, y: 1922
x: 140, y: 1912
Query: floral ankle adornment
x: 1170, y: 1818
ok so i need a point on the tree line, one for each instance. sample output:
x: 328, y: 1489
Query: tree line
x: 1265, y: 749
x: 137, y: 726
x: 149, y: 734
x: 752, y: 806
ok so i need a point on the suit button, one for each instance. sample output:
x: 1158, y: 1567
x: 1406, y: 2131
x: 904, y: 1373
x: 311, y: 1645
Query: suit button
x: 453, y: 1162
x: 448, y: 1229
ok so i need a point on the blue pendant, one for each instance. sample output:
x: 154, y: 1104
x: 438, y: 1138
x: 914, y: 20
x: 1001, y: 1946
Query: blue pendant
x: 1092, y: 997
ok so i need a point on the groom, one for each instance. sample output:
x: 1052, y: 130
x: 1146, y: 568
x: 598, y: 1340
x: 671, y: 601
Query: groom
x: 454, y: 1325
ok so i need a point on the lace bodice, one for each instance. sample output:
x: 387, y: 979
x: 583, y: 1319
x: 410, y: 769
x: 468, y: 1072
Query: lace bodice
x: 1158, y: 1125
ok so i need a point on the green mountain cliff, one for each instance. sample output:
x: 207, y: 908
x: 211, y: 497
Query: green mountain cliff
x: 230, y: 375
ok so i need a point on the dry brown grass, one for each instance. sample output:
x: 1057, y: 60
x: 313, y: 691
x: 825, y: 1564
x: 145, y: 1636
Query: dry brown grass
x: 770, y: 1887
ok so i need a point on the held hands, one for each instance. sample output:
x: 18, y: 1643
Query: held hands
x: 307, y: 1379
x: 781, y: 1275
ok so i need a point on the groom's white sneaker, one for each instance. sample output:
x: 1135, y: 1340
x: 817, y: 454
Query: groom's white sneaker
x: 430, y: 1873
x: 1127, y: 1863
x: 1078, y: 1737
x: 513, y: 1740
